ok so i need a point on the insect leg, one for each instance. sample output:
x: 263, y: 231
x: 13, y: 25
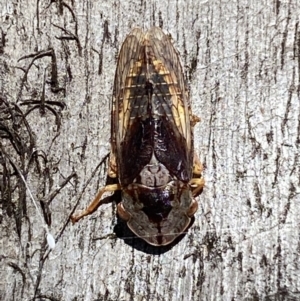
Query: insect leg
x: 197, y: 185
x: 197, y: 182
x: 197, y: 167
x: 112, y: 168
x: 194, y: 120
x: 193, y: 208
x: 124, y: 215
x: 93, y: 206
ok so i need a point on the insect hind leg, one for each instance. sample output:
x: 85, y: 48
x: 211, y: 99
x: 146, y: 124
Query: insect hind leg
x: 93, y: 206
x: 197, y: 182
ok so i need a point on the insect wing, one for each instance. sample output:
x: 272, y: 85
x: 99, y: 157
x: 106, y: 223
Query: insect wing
x: 129, y: 104
x: 150, y: 110
x: 165, y: 53
x: 169, y: 100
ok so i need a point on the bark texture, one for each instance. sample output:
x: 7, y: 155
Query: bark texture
x: 57, y: 64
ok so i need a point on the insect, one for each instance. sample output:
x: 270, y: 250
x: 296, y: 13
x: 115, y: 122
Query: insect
x: 152, y: 153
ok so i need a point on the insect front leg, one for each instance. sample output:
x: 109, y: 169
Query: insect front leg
x: 112, y: 168
x: 197, y: 182
x: 93, y: 206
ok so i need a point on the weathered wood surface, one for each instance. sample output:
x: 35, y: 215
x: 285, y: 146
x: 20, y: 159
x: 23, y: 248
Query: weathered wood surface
x: 242, y: 62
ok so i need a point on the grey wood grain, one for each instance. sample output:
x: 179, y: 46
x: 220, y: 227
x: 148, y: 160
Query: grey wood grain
x: 241, y: 61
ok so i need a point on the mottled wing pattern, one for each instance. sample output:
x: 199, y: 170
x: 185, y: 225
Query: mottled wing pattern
x: 128, y: 56
x: 129, y: 107
x: 170, y: 97
x: 150, y: 110
x: 168, y: 63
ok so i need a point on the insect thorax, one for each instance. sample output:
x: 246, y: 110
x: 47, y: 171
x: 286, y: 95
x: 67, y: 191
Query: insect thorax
x: 154, y: 174
x: 155, y: 192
